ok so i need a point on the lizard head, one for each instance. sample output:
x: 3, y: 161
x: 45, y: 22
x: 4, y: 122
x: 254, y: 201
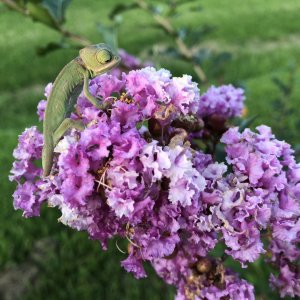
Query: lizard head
x: 98, y: 59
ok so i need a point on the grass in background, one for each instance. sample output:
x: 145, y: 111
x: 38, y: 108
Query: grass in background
x: 264, y: 38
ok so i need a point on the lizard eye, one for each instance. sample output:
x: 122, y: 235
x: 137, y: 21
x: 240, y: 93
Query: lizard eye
x: 103, y: 56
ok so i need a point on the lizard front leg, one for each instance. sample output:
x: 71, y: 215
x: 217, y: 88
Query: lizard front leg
x: 64, y: 126
x: 89, y: 96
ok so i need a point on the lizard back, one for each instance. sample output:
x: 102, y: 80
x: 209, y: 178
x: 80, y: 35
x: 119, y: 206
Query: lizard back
x: 65, y: 91
x: 66, y: 88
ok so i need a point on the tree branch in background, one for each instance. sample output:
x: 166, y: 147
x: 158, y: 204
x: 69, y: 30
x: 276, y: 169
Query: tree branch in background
x: 49, y: 13
x: 52, y: 14
x: 75, y: 37
x: 14, y: 6
x: 183, y: 49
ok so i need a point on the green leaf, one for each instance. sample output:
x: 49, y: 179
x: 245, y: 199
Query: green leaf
x: 156, y: 9
x: 202, y: 55
x: 41, y: 14
x: 120, y: 8
x: 21, y: 3
x: 56, y: 8
x: 48, y: 12
x: 195, y: 36
x: 109, y: 34
x: 183, y: 32
x: 222, y: 58
x: 246, y: 123
x: 219, y: 61
x: 281, y: 85
x: 170, y: 52
x: 277, y: 104
x: 220, y: 154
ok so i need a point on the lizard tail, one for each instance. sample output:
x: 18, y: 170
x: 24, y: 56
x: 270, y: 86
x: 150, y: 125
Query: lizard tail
x: 47, y: 156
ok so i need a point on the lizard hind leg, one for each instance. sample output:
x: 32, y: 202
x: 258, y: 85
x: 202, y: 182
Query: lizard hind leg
x: 64, y: 126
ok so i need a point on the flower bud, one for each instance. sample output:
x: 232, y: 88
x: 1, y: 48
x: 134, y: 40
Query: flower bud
x: 190, y: 123
x: 204, y: 265
x: 155, y: 128
x: 217, y: 123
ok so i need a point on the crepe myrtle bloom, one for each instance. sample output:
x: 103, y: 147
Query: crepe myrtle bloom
x: 137, y: 172
x: 226, y: 101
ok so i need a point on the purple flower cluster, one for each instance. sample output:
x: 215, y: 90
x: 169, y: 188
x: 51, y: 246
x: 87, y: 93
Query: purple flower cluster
x: 128, y: 63
x: 30, y: 191
x: 42, y: 104
x: 198, y: 277
x: 136, y: 172
x: 272, y: 176
x: 226, y: 101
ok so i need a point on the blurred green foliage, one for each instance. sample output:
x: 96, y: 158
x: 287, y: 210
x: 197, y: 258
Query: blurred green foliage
x: 263, y: 40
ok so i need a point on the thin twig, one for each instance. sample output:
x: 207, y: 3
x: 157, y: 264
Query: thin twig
x: 67, y: 34
x: 12, y: 5
x: 74, y: 37
x: 184, y: 51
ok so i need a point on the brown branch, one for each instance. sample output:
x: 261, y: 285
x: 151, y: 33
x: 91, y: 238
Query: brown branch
x: 12, y: 5
x: 70, y: 35
x: 183, y: 49
x: 74, y: 37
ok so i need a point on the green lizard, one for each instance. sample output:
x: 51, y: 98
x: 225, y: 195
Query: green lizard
x: 92, y: 61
